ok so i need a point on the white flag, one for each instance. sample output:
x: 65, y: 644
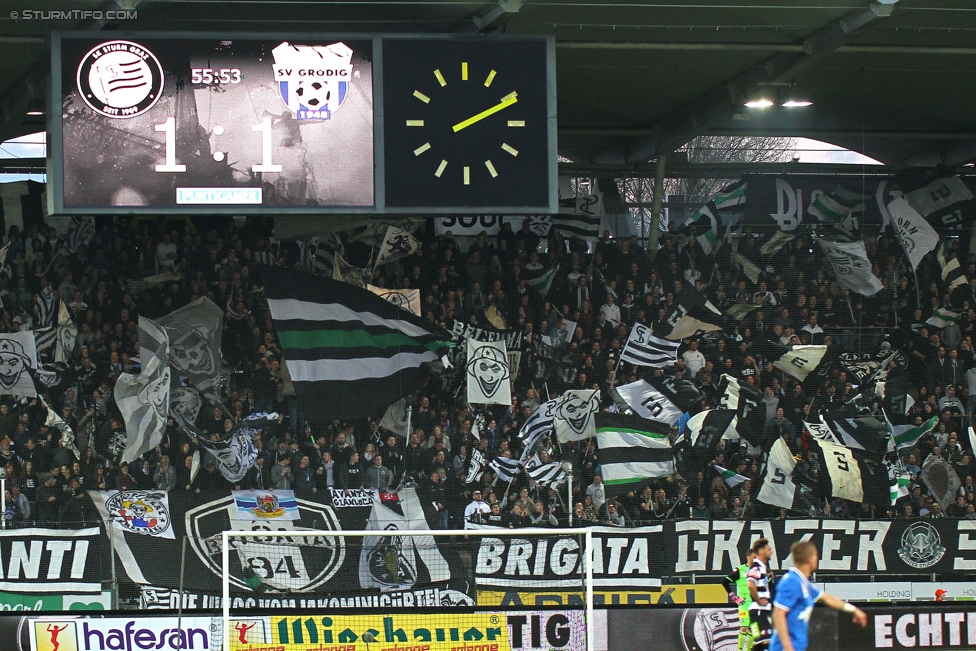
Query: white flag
x: 395, y: 418
x: 18, y: 354
x: 144, y: 399
x: 397, y: 243
x: 394, y: 563
x: 575, y: 415
x: 844, y: 471
x: 917, y: 237
x: 778, y: 488
x: 800, y: 361
x: 648, y: 402
x: 851, y: 266
x: 488, y: 373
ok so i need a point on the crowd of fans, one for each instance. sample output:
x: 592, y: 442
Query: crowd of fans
x: 603, y: 291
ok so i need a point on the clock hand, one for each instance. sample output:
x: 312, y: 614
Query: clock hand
x: 507, y: 101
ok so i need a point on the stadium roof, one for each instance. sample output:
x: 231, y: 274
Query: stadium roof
x: 891, y: 78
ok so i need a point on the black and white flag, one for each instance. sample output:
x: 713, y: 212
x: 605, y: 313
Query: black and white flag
x: 579, y: 217
x: 476, y: 467
x: 647, y: 402
x: 706, y: 428
x: 44, y: 307
x: 643, y: 348
x: 81, y: 234
x: 18, y: 359
x: 319, y: 253
x: 821, y: 431
x: 798, y: 361
x: 144, y: 399
x: 58, y: 424
x: 398, y: 563
x: 952, y: 273
x: 44, y: 339
x: 397, y: 243
x: 506, y: 468
x: 539, y: 424
x: 777, y: 488
x: 488, y: 373
x: 194, y: 342
x: 746, y: 400
x: 856, y: 430
x: 851, y: 266
x: 395, y: 418
x: 843, y: 471
x: 692, y: 316
x: 548, y: 474
x: 945, y: 201
x: 574, y: 415
x: 917, y: 237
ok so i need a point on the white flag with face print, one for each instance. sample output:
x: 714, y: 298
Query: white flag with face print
x: 488, y: 373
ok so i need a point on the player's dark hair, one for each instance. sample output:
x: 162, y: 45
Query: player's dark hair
x: 759, y: 544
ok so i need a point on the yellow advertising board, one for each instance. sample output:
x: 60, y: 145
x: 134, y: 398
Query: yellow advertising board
x: 665, y: 595
x: 432, y: 631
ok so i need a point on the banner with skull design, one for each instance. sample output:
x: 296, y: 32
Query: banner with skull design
x: 194, y: 342
x: 144, y: 399
x: 18, y: 358
x: 575, y: 415
x: 488, y: 373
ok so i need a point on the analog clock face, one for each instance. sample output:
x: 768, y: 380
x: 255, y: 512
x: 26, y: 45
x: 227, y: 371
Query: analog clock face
x: 466, y: 123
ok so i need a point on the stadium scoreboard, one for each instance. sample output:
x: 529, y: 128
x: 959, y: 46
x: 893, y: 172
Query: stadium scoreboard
x: 160, y: 123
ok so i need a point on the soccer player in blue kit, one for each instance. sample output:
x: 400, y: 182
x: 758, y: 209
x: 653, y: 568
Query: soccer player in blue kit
x: 795, y: 598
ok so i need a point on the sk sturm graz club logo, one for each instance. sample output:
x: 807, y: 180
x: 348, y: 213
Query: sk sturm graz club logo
x: 921, y: 547
x: 710, y: 629
x: 313, y: 80
x: 298, y: 564
x: 139, y: 512
x: 120, y: 79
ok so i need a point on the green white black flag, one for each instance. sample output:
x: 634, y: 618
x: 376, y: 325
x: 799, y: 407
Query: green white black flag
x: 633, y: 451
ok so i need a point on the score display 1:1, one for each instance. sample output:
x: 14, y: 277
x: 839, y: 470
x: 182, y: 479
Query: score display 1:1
x: 169, y: 129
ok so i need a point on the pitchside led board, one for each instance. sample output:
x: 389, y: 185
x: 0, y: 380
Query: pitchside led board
x: 302, y: 124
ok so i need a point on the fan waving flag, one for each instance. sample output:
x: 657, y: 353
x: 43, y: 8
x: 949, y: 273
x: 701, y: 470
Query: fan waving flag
x: 345, y: 347
x: 633, y: 452
x: 643, y: 348
x: 506, y: 468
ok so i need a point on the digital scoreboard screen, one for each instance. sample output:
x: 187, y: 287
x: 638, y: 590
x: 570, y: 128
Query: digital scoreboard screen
x: 154, y: 123
x: 165, y: 123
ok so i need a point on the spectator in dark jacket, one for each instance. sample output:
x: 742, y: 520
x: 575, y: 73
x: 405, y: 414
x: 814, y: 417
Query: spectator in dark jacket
x: 304, y: 480
x: 351, y: 474
x: 48, y: 499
